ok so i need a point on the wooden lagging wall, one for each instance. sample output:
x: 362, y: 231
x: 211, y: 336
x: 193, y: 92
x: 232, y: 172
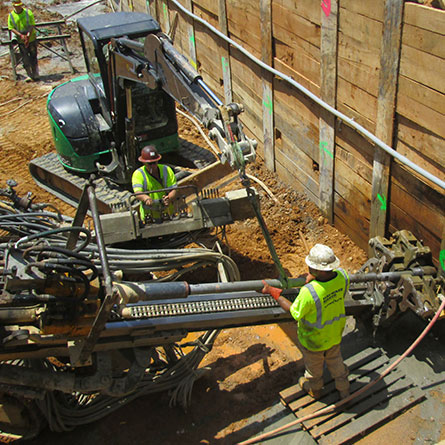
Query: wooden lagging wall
x: 381, y: 63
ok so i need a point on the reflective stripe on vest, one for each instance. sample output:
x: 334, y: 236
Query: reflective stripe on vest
x: 318, y: 324
x: 144, y: 176
x: 15, y: 24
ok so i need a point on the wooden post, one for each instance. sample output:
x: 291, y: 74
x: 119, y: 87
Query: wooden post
x: 191, y: 36
x: 152, y: 8
x: 389, y: 61
x: 328, y: 91
x: 225, y: 58
x: 267, y: 78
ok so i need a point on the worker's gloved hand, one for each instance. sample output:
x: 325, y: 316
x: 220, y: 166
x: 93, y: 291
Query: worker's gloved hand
x: 275, y: 292
x: 165, y: 200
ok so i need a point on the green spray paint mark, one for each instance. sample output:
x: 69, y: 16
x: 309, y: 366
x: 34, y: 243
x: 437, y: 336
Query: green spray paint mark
x: 268, y: 104
x: 324, y: 147
x: 164, y: 6
x: 382, y: 200
x: 442, y: 259
x: 224, y: 63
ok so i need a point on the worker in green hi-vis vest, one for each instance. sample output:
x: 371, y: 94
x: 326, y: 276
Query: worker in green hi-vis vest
x: 21, y: 23
x: 319, y: 310
x: 150, y: 177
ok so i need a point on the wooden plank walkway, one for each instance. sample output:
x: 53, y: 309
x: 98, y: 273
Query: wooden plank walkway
x: 390, y: 396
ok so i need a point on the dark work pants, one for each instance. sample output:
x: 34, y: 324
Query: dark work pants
x: 29, y: 58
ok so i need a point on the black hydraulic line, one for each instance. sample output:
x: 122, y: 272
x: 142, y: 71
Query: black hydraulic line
x: 48, y: 233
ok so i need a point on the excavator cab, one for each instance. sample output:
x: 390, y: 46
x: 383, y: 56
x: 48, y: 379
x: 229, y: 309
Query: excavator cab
x: 100, y: 121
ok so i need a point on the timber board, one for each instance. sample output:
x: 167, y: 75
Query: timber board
x: 300, y: 171
x: 418, y: 189
x: 356, y: 98
x: 361, y: 76
x: 287, y: 23
x: 422, y: 159
x: 356, y: 144
x: 207, y: 16
x: 430, y: 119
x: 303, y: 81
x: 305, y: 8
x: 422, y: 94
x: 360, y: 237
x: 305, y: 165
x: 424, y: 40
x: 356, y: 166
x: 421, y: 140
x: 353, y: 188
x: 387, y: 397
x: 358, y: 52
x: 249, y: 99
x: 290, y: 178
x: 425, y: 17
x: 300, y: 105
x: 346, y: 212
x: 298, y: 157
x: 371, y: 9
x: 355, y: 115
x: 360, y: 29
x: 299, y: 61
x: 422, y: 67
x: 209, y: 5
x: 298, y: 134
x: 248, y: 72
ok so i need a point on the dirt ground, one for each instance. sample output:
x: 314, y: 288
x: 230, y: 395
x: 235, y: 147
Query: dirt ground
x: 247, y: 366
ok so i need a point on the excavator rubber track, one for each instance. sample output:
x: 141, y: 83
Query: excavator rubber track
x: 50, y: 174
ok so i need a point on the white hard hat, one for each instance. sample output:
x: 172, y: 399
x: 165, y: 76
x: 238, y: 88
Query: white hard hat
x: 322, y: 257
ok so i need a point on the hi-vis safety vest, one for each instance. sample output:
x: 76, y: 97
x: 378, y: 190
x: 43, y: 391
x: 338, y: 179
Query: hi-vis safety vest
x: 22, y: 23
x: 142, y: 181
x: 320, y: 312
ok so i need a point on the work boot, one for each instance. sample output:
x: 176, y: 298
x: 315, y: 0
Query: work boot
x: 344, y: 394
x: 304, y: 385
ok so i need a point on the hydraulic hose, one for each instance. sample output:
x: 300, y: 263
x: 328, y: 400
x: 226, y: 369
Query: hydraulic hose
x: 355, y: 394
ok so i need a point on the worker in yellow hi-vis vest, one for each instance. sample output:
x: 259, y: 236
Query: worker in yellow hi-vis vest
x: 154, y: 176
x: 21, y: 23
x: 319, y: 310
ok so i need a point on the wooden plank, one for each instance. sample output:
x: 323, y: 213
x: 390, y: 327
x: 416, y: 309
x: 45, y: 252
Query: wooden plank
x: 346, y: 422
x: 266, y: 81
x: 244, y: 23
x: 191, y: 37
x: 295, y: 176
x: 389, y: 58
x: 356, y: 361
x: 304, y: 8
x: 421, y: 158
x: 360, y: 28
x: 430, y: 145
x: 225, y: 56
x: 424, y: 40
x: 356, y: 166
x: 425, y: 17
x: 423, y: 67
x: 358, y: 52
x: 299, y: 134
x: 300, y: 61
x: 421, y: 114
x: 329, y: 31
x: 358, y: 235
x: 209, y: 5
x: 358, y: 229
x: 323, y: 424
x: 290, y: 25
x: 421, y: 94
x: 359, y: 75
x: 373, y: 10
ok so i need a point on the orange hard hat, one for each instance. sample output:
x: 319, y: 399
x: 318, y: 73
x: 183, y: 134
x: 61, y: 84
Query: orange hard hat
x: 17, y: 3
x: 149, y: 154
